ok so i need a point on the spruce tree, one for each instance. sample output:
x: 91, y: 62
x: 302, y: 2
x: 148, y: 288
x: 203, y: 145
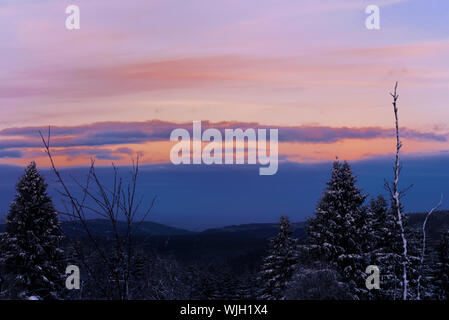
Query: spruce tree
x: 339, y: 232
x: 387, y: 253
x: 31, y: 244
x: 414, y: 267
x: 386, y: 250
x: 279, y: 265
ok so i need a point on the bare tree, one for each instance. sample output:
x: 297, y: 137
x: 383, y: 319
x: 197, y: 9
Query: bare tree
x: 119, y: 205
x: 396, y: 195
x: 423, y: 252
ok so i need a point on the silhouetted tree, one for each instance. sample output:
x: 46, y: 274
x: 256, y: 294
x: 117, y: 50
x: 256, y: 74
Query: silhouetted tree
x: 31, y: 244
x: 339, y: 232
x: 386, y: 250
x: 279, y: 265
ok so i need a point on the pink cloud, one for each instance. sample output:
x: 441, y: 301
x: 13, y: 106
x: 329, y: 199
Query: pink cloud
x: 121, y: 133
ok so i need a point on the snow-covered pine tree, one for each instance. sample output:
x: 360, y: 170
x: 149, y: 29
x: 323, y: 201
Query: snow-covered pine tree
x: 279, y: 265
x: 442, y: 270
x: 31, y: 244
x: 386, y: 250
x: 340, y: 228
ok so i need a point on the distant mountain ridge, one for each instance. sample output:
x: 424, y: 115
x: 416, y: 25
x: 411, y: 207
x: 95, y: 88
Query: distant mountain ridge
x: 102, y: 227
x: 438, y: 222
x: 258, y: 230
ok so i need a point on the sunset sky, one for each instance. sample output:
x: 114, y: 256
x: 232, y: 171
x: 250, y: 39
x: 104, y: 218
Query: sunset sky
x: 136, y: 69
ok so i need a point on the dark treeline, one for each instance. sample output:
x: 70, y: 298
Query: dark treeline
x: 347, y: 233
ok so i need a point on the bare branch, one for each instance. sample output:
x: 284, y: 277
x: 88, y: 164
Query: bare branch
x: 423, y: 252
x: 112, y: 204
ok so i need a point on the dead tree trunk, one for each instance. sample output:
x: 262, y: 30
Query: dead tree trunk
x: 396, y: 195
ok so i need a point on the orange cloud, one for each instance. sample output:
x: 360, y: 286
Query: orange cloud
x: 118, y: 142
